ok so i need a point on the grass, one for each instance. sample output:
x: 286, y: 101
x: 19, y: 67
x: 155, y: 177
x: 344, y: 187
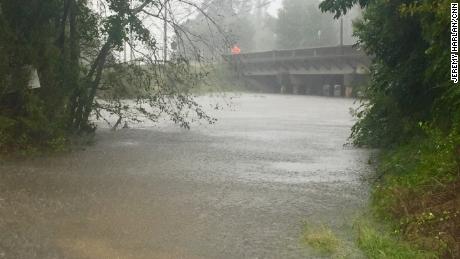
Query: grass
x: 379, y: 244
x: 418, y: 194
x: 321, y: 239
x: 375, y: 240
x: 415, y: 199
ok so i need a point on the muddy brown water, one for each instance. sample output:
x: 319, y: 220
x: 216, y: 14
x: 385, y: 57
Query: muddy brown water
x: 243, y: 188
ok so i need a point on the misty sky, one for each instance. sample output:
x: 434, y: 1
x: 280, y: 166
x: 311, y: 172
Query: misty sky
x: 274, y: 6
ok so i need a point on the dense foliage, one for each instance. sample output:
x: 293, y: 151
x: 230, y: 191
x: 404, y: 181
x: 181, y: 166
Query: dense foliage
x: 409, y: 41
x: 411, y: 109
x: 75, y: 47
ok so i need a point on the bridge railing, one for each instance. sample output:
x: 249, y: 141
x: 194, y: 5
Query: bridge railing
x: 276, y: 55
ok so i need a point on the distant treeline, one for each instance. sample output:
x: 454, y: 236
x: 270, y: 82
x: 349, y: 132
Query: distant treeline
x: 299, y: 24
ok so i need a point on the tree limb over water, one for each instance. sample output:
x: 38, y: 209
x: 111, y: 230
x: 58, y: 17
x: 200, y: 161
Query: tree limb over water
x: 80, y: 50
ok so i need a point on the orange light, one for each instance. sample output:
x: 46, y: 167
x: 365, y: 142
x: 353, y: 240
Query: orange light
x: 236, y: 50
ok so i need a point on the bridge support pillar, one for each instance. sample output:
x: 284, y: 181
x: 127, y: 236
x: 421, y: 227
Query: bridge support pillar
x: 348, y: 84
x: 284, y: 81
x: 295, y: 89
x: 296, y: 82
x: 313, y: 85
x: 308, y: 85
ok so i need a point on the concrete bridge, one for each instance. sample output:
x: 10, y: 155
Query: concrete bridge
x: 329, y: 71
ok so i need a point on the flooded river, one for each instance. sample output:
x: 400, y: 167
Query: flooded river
x: 243, y: 188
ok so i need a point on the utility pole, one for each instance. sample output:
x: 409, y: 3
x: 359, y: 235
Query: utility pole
x: 125, y: 53
x: 341, y: 32
x: 259, y: 10
x: 131, y: 41
x: 165, y: 24
x: 341, y: 35
x: 125, y: 47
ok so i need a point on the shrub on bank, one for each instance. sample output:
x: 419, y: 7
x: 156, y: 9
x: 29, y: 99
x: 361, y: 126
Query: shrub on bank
x: 419, y: 192
x: 28, y: 129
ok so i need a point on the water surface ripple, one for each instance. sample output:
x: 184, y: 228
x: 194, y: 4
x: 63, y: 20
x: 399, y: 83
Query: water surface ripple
x: 242, y: 188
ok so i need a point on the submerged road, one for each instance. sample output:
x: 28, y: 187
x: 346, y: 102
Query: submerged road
x: 243, y: 188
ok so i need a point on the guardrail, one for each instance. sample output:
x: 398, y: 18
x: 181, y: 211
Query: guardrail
x: 297, y: 54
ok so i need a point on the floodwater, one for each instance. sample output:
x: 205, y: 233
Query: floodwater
x: 243, y: 188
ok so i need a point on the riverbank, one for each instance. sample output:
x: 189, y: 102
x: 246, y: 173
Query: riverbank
x: 417, y: 196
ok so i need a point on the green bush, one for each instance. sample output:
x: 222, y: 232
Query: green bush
x: 30, y: 131
x: 416, y: 191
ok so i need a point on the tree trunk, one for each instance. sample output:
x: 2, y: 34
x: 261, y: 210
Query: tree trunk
x: 83, y: 100
x: 62, y: 26
x: 74, y: 44
x: 86, y: 97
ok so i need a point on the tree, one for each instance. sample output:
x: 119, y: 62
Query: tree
x: 301, y: 24
x: 75, y: 49
x: 410, y: 84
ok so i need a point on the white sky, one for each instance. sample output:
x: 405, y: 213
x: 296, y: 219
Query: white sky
x: 274, y: 6
x: 277, y: 4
